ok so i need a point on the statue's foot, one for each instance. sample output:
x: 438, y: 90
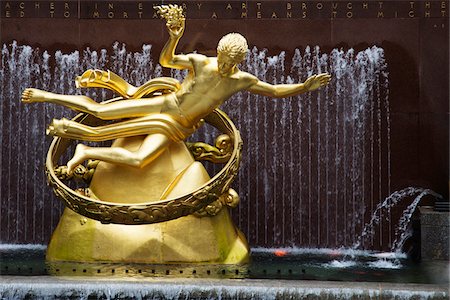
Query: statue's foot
x: 31, y: 95
x: 58, y: 127
x: 77, y: 159
x: 91, y: 78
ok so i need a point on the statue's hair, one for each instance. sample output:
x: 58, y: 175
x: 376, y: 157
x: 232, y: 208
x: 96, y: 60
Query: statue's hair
x: 234, y: 45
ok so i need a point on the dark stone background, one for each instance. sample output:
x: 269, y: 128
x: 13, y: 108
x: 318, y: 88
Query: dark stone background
x: 416, y: 50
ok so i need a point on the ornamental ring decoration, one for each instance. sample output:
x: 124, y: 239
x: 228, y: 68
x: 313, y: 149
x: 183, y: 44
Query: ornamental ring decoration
x: 150, y: 212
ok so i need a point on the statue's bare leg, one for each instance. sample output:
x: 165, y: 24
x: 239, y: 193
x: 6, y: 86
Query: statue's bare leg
x: 138, y: 126
x: 109, y: 111
x: 70, y: 129
x: 152, y: 146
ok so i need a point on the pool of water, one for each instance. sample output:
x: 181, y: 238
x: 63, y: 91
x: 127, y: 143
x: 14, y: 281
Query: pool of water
x: 286, y: 263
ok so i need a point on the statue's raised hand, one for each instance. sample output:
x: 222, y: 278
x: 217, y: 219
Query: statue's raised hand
x: 174, y: 16
x: 316, y: 81
x: 176, y: 30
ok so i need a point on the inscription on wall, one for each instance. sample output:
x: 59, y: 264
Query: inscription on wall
x: 227, y: 9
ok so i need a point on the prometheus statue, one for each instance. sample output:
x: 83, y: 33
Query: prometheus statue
x: 149, y: 126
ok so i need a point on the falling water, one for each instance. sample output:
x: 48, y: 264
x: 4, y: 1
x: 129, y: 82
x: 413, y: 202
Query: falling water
x: 329, y: 182
x: 394, y: 199
x: 314, y: 165
x: 401, y: 231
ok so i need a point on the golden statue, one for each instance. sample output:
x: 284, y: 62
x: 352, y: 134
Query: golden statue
x: 149, y: 162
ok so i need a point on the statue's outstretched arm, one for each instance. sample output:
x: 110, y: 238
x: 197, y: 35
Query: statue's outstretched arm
x: 175, y: 23
x: 287, y: 90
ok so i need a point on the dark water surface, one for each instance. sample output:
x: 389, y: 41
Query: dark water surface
x: 286, y: 263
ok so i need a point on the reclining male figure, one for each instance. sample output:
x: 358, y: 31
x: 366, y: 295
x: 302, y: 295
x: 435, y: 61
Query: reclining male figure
x: 210, y: 82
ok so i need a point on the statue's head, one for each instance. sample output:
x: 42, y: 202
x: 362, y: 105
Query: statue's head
x: 231, y: 50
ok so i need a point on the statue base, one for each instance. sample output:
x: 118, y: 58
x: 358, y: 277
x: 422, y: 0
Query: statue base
x: 190, y: 239
x: 185, y: 240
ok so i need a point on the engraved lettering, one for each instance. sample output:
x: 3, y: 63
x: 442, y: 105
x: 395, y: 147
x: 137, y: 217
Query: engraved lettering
x: 443, y: 4
x: 443, y: 13
x: 290, y: 7
x: 140, y: 14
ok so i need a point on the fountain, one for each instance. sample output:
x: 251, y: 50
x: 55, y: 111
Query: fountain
x: 327, y: 116
x: 333, y: 177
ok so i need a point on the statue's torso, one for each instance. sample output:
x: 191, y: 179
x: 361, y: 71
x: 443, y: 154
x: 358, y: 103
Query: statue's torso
x: 204, y: 89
